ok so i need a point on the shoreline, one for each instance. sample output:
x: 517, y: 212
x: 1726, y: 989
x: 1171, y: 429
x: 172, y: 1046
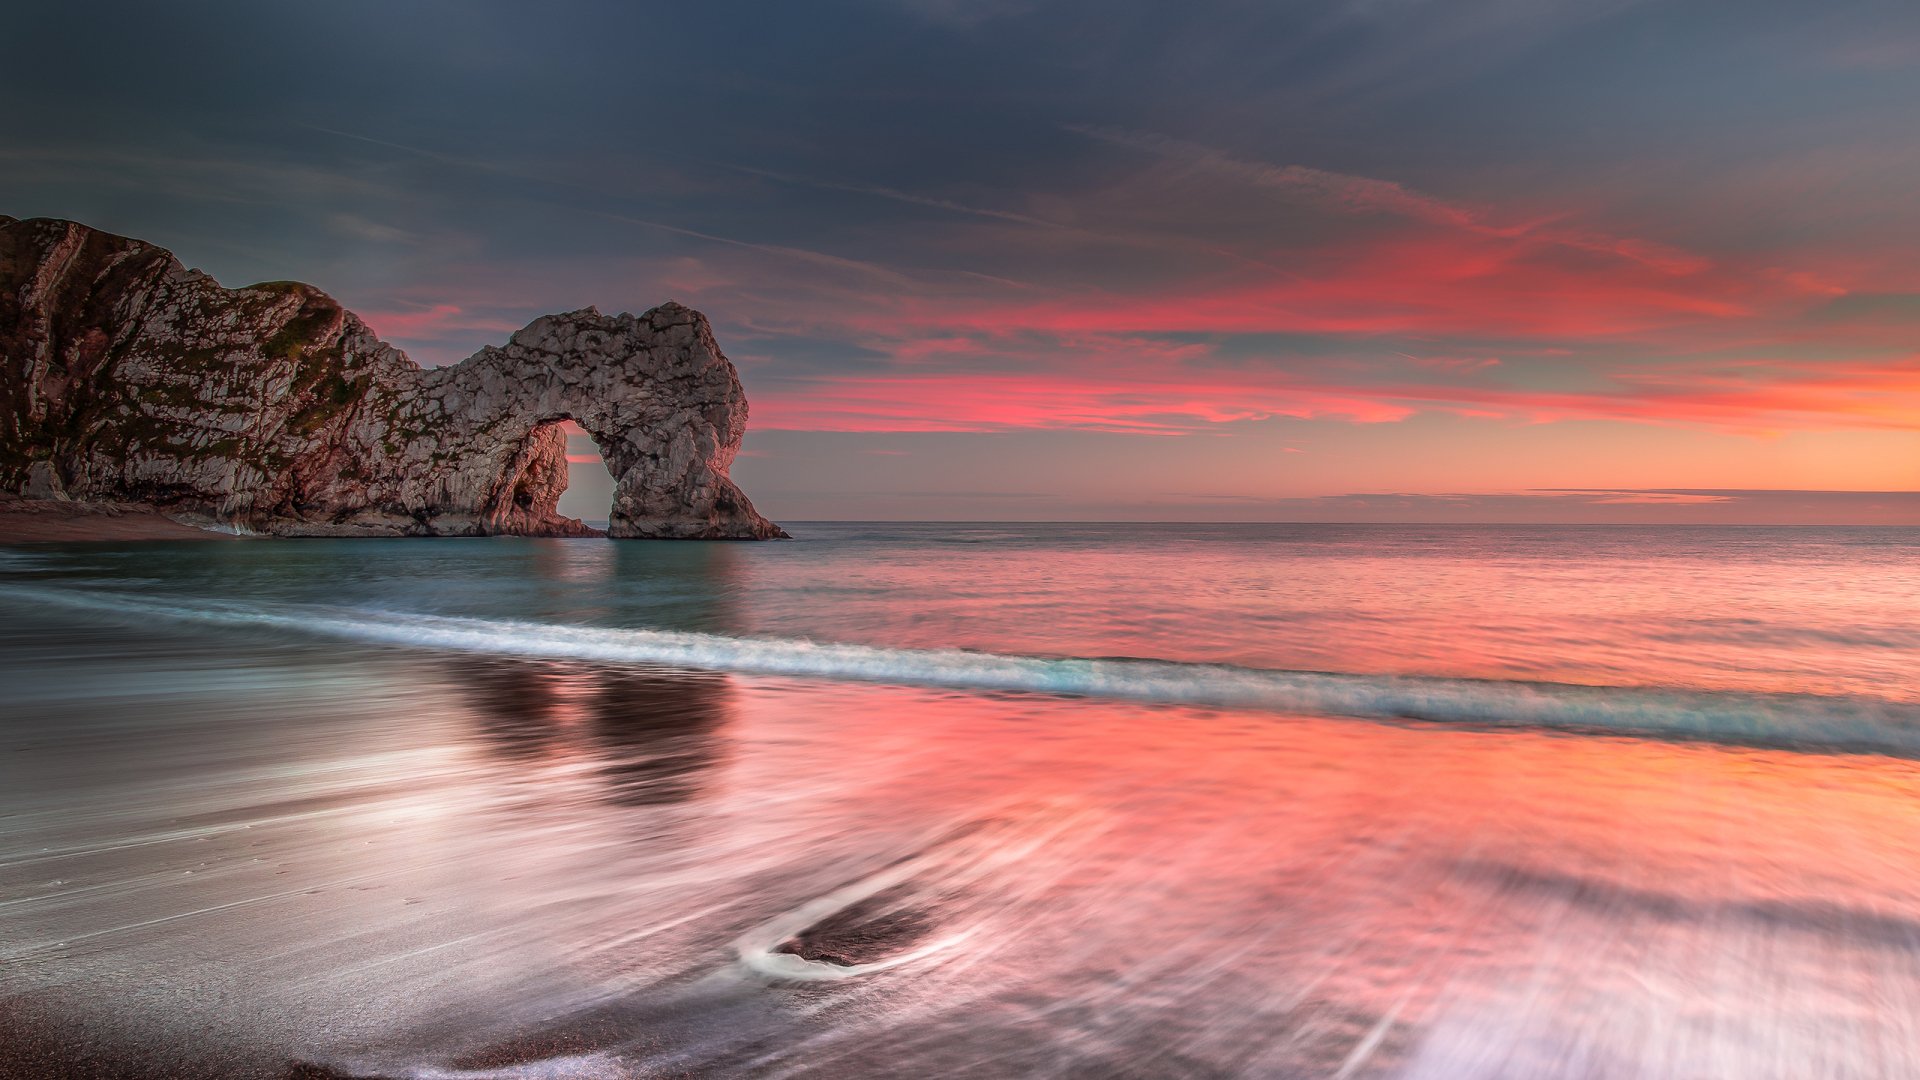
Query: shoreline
x: 43, y: 521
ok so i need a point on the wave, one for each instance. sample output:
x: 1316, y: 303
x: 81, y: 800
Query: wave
x: 1767, y: 719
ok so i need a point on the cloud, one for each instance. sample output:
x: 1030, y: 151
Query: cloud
x: 909, y: 198
x: 817, y: 259
x: 1350, y: 194
x: 1455, y: 364
x: 963, y: 13
x: 1666, y: 506
x: 433, y: 322
x: 360, y: 228
x: 218, y: 174
x: 1352, y: 212
x: 1366, y: 195
x: 1135, y: 401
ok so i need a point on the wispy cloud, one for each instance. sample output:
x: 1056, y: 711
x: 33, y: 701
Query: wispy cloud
x: 819, y: 259
x: 891, y: 194
x: 374, y: 232
x: 432, y: 322
x: 1707, y: 506
x: 1367, y: 195
x: 1352, y: 194
x: 218, y: 175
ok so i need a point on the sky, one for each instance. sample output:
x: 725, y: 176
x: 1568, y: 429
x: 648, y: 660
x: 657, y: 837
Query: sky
x: 1346, y: 260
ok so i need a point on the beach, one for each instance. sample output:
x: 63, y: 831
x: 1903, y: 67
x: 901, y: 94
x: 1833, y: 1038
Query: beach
x: 840, y: 808
x: 42, y: 521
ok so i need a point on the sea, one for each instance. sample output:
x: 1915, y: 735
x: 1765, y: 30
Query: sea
x: 966, y: 800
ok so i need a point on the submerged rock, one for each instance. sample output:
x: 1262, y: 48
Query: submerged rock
x: 272, y: 409
x: 865, y: 932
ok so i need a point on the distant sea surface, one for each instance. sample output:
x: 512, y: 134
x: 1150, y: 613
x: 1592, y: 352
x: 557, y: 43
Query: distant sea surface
x: 966, y: 800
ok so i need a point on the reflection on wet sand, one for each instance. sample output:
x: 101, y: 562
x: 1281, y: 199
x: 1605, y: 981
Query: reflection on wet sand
x: 659, y: 734
x: 654, y: 732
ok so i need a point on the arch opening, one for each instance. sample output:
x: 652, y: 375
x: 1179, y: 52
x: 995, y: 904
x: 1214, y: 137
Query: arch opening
x: 589, y: 480
x: 532, y: 497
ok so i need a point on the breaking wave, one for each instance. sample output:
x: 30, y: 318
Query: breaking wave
x: 1790, y: 720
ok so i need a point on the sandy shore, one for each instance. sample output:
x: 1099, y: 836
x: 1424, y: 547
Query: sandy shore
x: 25, y: 521
x: 58, y: 1036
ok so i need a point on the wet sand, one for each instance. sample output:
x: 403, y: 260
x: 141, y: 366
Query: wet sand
x: 352, y: 863
x: 244, y: 849
x: 66, y: 1037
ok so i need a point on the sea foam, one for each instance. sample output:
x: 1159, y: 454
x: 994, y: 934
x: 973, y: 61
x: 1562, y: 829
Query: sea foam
x: 1770, y: 719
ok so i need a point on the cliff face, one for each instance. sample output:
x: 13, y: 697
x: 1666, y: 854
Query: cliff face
x: 129, y: 378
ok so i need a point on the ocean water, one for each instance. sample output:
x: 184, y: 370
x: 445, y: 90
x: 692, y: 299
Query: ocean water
x: 966, y: 800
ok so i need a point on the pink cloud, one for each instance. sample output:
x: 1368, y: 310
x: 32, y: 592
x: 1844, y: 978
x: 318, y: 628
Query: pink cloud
x: 431, y: 321
x: 1114, y: 310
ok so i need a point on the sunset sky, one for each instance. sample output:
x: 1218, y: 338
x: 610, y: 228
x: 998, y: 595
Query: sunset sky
x: 1345, y: 260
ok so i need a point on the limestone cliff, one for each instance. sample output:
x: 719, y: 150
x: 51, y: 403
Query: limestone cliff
x: 129, y: 378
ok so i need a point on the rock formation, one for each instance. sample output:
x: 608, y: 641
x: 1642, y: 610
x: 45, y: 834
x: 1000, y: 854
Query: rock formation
x: 272, y: 409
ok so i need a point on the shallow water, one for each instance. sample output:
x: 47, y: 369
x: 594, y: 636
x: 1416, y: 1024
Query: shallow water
x: 1000, y: 801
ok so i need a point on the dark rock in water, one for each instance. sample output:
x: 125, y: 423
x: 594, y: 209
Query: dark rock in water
x: 863, y: 933
x: 307, y: 1070
x: 272, y: 409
